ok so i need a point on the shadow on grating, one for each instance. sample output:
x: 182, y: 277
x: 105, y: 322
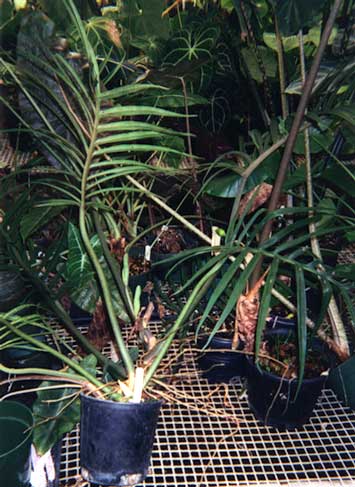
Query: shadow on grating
x: 193, y: 449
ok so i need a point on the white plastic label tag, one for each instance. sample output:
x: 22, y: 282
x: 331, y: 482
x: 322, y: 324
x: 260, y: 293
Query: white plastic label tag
x: 147, y: 253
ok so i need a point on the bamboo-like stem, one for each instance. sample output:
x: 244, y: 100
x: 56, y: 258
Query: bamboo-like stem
x: 95, y: 261
x: 337, y: 324
x: 291, y: 140
x: 281, y: 68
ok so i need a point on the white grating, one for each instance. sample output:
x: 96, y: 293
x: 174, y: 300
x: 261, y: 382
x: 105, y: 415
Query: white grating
x: 193, y: 449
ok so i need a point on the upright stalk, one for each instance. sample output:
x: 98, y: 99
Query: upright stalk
x: 95, y: 261
x: 281, y: 68
x: 284, y: 164
x: 338, y: 328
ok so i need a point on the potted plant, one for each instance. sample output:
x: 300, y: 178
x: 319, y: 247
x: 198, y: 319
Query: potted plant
x: 95, y: 137
x: 267, y: 252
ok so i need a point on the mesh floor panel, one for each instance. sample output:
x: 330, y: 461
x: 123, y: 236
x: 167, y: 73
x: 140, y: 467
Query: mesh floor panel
x: 197, y: 449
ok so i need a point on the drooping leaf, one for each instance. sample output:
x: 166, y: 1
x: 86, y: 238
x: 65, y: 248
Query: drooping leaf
x: 296, y: 86
x: 81, y: 278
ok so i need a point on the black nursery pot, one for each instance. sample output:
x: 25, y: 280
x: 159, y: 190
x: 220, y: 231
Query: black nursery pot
x: 221, y: 366
x: 273, y: 399
x: 116, y: 440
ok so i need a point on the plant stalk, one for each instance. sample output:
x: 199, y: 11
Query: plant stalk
x: 291, y: 140
x: 95, y: 261
x: 337, y: 324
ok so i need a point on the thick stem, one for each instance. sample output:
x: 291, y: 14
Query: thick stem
x: 306, y: 94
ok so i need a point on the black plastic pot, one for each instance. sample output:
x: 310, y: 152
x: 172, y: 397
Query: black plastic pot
x: 273, y: 399
x: 221, y: 366
x: 116, y: 440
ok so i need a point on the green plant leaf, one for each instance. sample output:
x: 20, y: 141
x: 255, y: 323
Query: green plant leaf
x: 318, y: 141
x: 57, y: 411
x: 227, y: 186
x: 337, y: 176
x: 301, y: 324
x: 292, y: 42
x: 345, y: 271
x: 65, y: 414
x: 269, y: 61
x: 294, y: 15
x: 265, y: 304
x: 36, y: 218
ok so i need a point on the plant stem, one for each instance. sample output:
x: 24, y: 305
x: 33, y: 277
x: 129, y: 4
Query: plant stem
x: 192, y: 160
x: 281, y: 68
x: 60, y: 312
x: 291, y: 140
x: 338, y: 327
x: 188, y: 308
x: 95, y: 261
x: 46, y: 348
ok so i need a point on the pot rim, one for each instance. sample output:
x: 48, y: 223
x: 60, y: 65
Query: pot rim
x: 278, y: 378
x: 123, y: 404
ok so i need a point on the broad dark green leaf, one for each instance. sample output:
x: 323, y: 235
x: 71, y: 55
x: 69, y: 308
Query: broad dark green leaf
x: 338, y: 177
x: 269, y: 62
x: 63, y: 411
x: 57, y: 411
x: 228, y: 186
x: 294, y: 15
x: 81, y: 277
